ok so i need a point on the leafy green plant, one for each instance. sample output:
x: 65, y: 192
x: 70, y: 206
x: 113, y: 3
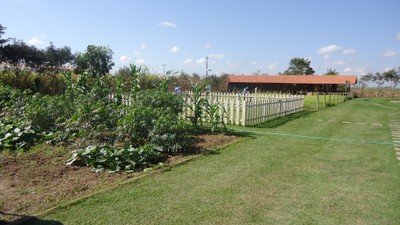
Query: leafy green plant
x: 170, y: 134
x: 135, y: 73
x: 216, y: 119
x: 15, y: 135
x: 197, y: 103
x: 115, y: 158
x: 47, y: 112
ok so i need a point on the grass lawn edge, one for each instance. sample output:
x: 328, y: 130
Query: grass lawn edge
x: 155, y: 170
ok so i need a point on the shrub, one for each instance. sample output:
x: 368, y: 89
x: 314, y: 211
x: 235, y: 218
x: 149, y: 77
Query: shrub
x: 47, y: 112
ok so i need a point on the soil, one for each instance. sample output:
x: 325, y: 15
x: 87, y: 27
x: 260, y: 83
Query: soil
x: 35, y: 181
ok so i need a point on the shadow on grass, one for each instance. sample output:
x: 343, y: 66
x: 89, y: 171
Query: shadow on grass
x: 280, y: 121
x: 17, y: 219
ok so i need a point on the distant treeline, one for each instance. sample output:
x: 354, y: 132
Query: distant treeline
x: 391, y: 77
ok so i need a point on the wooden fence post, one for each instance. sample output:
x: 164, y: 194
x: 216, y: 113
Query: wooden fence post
x: 318, y: 100
x: 329, y: 101
x: 244, y: 113
x: 238, y: 110
x: 337, y: 98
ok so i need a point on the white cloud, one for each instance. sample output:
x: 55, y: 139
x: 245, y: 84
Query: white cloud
x: 143, y: 46
x: 216, y: 56
x: 338, y: 63
x: 35, y: 41
x: 137, y: 53
x: 140, y: 61
x: 201, y: 60
x: 187, y: 61
x: 235, y: 64
x: 327, y: 56
x: 329, y: 49
x: 389, y: 53
x: 174, y: 49
x: 349, y: 51
x: 362, y: 71
x: 207, y: 46
x: 398, y: 36
x: 124, y: 59
x: 347, y: 70
x: 254, y: 63
x: 387, y: 69
x: 272, y: 66
x: 166, y: 24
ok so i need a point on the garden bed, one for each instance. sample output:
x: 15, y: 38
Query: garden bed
x: 32, y: 182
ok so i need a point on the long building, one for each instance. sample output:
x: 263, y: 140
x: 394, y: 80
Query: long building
x: 291, y: 83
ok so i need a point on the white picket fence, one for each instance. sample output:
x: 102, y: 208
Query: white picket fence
x: 242, y: 110
x: 250, y: 109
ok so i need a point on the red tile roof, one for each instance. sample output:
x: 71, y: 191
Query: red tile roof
x: 293, y: 79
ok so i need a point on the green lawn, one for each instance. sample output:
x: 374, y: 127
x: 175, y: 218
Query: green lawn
x: 271, y: 178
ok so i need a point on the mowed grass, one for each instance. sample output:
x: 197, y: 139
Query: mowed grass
x: 270, y: 179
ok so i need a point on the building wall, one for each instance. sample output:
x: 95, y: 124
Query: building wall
x: 286, y: 88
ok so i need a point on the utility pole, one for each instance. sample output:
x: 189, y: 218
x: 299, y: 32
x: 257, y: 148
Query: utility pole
x: 207, y: 70
x: 164, y: 69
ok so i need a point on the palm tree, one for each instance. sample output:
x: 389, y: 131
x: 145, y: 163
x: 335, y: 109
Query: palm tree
x: 331, y: 72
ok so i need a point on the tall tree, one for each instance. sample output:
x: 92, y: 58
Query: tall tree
x: 392, y: 76
x: 299, y: 66
x: 331, y: 72
x: 364, y: 80
x: 96, y: 60
x: 58, y: 57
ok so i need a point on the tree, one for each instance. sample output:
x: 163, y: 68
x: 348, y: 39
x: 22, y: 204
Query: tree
x: 392, y: 76
x: 299, y: 66
x: 58, y: 57
x: 2, y: 41
x: 364, y: 80
x: 331, y: 72
x: 379, y: 80
x: 97, y: 60
x: 22, y: 59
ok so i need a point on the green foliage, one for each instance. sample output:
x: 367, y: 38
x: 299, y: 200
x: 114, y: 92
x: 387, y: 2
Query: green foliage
x: 9, y: 96
x: 16, y: 134
x: 331, y: 72
x: 116, y: 159
x: 158, y: 99
x: 216, y: 119
x: 299, y: 66
x: 46, y: 112
x: 155, y: 119
x: 197, y: 103
x: 96, y: 60
x: 170, y: 134
x: 2, y: 28
x: 135, y: 79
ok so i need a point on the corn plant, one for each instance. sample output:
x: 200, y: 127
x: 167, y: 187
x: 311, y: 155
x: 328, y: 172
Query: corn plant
x: 135, y: 73
x: 216, y: 119
x: 197, y: 104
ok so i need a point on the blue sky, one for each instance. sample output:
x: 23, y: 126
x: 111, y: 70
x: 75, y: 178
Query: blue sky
x: 239, y: 37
